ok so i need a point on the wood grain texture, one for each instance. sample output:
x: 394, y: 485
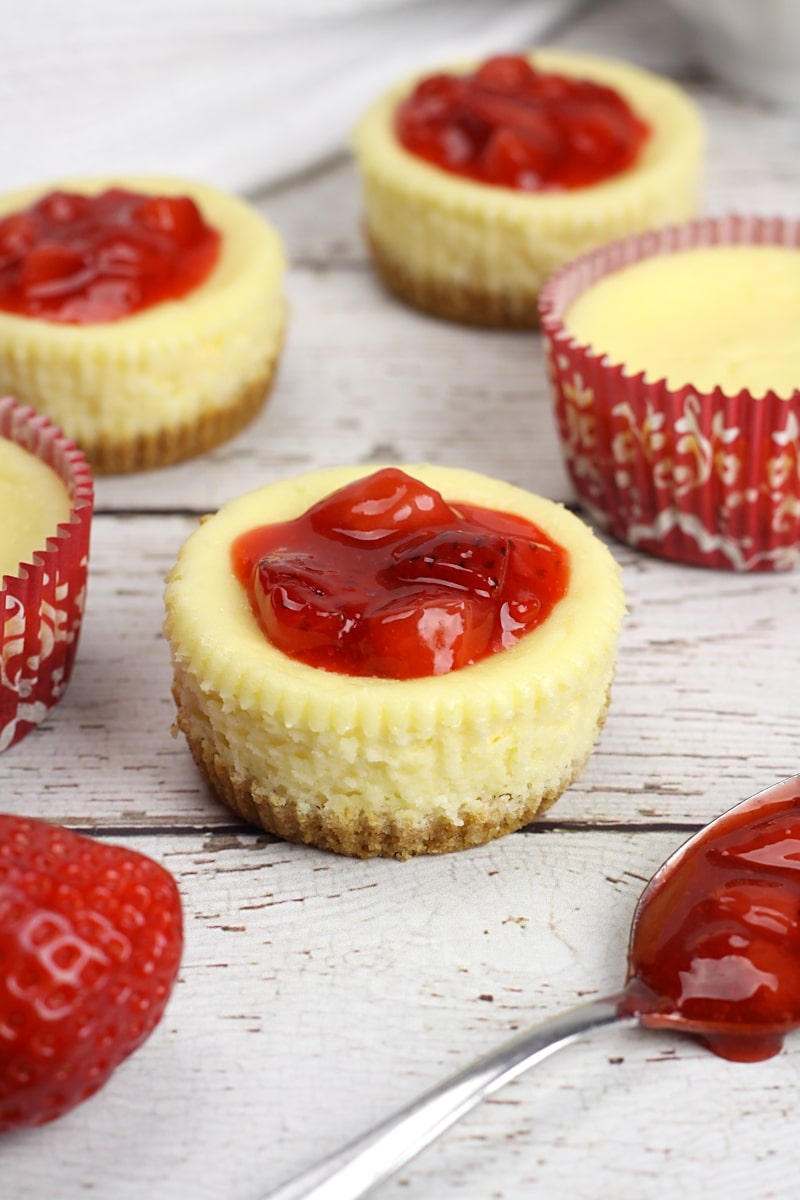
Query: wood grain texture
x: 317, y: 993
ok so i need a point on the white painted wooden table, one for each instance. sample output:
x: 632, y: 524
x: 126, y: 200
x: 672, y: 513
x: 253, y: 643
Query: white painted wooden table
x: 317, y: 994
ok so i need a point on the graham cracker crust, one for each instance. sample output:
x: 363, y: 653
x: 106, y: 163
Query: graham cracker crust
x: 286, y: 817
x: 174, y: 444
x: 469, y: 305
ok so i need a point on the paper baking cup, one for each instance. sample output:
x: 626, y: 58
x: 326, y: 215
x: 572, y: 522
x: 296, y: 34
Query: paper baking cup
x: 707, y: 479
x: 42, y: 606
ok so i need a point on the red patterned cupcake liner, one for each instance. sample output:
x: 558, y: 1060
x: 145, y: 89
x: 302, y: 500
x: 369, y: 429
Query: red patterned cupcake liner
x: 41, y: 607
x: 707, y: 479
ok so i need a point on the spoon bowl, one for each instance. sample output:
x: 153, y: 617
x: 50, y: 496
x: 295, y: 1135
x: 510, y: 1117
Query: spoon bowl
x: 715, y: 938
x: 714, y: 952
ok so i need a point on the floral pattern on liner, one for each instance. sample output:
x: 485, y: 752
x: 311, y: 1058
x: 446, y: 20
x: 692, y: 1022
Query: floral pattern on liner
x: 41, y: 608
x: 683, y: 483
x: 707, y: 479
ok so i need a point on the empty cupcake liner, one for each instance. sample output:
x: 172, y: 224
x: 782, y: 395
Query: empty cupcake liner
x: 41, y: 607
x: 707, y: 479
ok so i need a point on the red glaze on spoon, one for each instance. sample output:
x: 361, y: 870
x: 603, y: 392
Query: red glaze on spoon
x: 715, y: 945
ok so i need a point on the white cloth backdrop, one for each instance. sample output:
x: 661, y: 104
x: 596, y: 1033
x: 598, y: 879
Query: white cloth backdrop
x: 238, y: 93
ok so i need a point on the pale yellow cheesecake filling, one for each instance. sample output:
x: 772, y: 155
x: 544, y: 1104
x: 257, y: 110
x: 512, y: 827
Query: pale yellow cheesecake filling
x: 718, y: 316
x: 518, y: 724
x: 33, y: 502
x: 470, y: 234
x: 168, y: 365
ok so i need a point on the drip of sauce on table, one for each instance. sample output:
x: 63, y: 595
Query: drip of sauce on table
x: 81, y: 260
x: 715, y: 946
x: 512, y: 126
x: 385, y: 578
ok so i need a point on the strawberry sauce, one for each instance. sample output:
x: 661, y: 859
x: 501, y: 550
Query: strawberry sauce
x: 385, y: 578
x: 82, y: 260
x: 715, y: 949
x: 509, y: 125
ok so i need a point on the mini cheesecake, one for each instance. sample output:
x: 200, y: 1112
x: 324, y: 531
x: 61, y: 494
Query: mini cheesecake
x: 170, y: 380
x: 366, y: 765
x: 471, y: 251
x: 675, y: 366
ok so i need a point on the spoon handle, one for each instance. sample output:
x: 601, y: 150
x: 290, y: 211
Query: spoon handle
x: 369, y: 1160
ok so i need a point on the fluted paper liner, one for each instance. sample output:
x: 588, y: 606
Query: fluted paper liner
x: 42, y: 605
x: 707, y: 479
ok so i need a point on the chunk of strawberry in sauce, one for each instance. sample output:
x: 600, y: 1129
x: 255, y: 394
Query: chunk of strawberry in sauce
x: 302, y: 604
x: 506, y: 72
x: 17, y: 235
x: 470, y: 561
x: 383, y: 506
x: 51, y: 268
x: 520, y: 160
x: 176, y: 216
x: 62, y: 208
x: 425, y: 633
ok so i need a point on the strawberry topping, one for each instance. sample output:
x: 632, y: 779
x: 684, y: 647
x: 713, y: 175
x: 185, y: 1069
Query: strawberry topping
x: 510, y: 125
x: 81, y: 260
x: 385, y: 578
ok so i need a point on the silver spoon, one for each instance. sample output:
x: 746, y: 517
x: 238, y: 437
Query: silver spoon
x: 360, y: 1166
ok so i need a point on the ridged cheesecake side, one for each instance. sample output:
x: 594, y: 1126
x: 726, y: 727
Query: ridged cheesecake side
x: 369, y: 766
x: 479, y: 253
x: 175, y: 379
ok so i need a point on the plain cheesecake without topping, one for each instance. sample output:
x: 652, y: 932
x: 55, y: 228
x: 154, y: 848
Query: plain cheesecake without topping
x: 716, y: 316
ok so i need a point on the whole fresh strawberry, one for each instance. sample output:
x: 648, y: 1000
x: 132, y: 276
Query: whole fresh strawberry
x: 90, y: 944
